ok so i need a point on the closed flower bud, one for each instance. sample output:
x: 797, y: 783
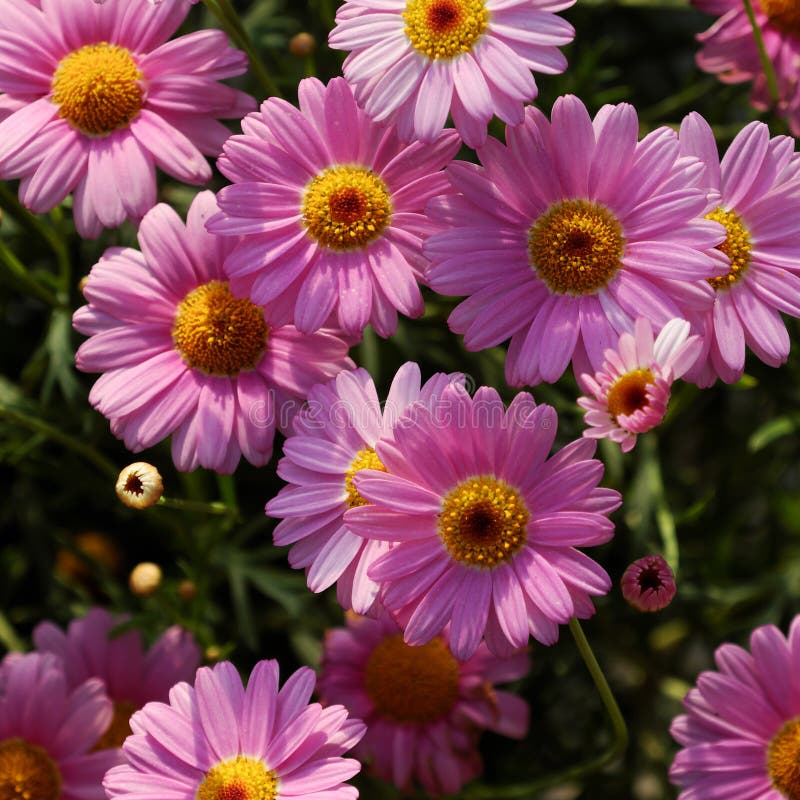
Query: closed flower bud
x: 139, y: 485
x: 302, y: 45
x: 145, y: 578
x: 648, y: 584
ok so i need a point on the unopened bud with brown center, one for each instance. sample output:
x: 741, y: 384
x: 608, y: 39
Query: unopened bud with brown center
x: 302, y: 45
x: 139, y: 485
x: 648, y: 584
x: 145, y: 578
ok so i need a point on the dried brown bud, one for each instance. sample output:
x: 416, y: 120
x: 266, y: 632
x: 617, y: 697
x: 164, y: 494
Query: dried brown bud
x: 302, y: 45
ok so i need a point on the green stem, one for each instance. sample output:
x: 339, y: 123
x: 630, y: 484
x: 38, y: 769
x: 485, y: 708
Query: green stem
x: 45, y: 429
x: 232, y: 25
x: 664, y: 519
x: 8, y: 636
x: 766, y: 63
x: 20, y: 274
x: 195, y: 505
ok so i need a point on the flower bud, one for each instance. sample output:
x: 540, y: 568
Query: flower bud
x: 139, y: 485
x: 302, y: 45
x: 648, y: 584
x: 145, y: 578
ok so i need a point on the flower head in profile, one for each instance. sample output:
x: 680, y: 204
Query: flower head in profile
x: 182, y: 355
x: 334, y: 438
x: 756, y: 191
x: 648, y: 584
x: 222, y: 741
x: 424, y: 709
x: 98, y: 98
x: 741, y: 731
x: 632, y: 389
x: 132, y: 675
x: 567, y: 234
x: 484, y: 524
x: 47, y: 731
x: 329, y: 207
x: 415, y: 61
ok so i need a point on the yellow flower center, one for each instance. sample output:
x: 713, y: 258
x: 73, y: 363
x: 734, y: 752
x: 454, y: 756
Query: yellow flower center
x: 576, y: 247
x: 365, y: 459
x: 783, y: 14
x: 629, y: 392
x: 445, y: 28
x: 483, y: 522
x: 736, y: 246
x: 240, y: 778
x: 783, y: 760
x: 217, y: 333
x: 412, y: 684
x: 119, y: 729
x: 97, y: 88
x: 345, y: 208
x: 27, y: 772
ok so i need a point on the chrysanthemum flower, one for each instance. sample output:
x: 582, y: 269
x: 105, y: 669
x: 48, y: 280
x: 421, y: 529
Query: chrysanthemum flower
x: 132, y: 675
x: 485, y: 524
x: 757, y: 199
x: 182, y: 355
x: 648, y: 584
x: 567, y: 234
x: 741, y: 732
x: 220, y: 741
x: 424, y: 709
x: 417, y: 60
x: 100, y: 98
x: 330, y: 208
x: 632, y: 389
x: 47, y: 732
x: 334, y: 438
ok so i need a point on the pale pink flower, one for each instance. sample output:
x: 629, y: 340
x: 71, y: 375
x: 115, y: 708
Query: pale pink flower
x: 181, y: 355
x: 222, y: 740
x: 631, y: 390
x: 424, y: 709
x: 97, y: 98
x: 648, y: 584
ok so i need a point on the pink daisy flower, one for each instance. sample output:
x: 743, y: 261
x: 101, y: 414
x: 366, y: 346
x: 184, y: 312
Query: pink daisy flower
x: 330, y: 208
x: 132, y: 675
x: 485, y: 524
x: 47, y: 731
x: 220, y: 741
x: 632, y: 389
x: 100, y: 98
x: 648, y: 584
x: 414, y: 61
x: 334, y: 438
x: 182, y: 355
x: 756, y: 197
x: 567, y: 234
x: 741, y: 732
x: 424, y: 709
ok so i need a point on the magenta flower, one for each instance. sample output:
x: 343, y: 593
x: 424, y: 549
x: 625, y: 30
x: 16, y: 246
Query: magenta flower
x: 220, y: 741
x: 632, y: 389
x: 485, y: 525
x: 567, y: 234
x: 132, y: 675
x: 100, y: 98
x: 414, y: 61
x: 182, y: 355
x: 47, y: 731
x: 330, y: 210
x: 648, y: 584
x: 424, y: 709
x: 334, y: 438
x: 741, y: 732
x: 756, y: 194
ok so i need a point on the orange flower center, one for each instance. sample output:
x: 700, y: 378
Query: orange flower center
x: 365, y: 459
x: 240, y: 778
x: 783, y: 14
x: 27, y: 772
x: 783, y: 760
x: 629, y: 392
x: 119, y: 729
x: 737, y: 247
x: 445, y: 28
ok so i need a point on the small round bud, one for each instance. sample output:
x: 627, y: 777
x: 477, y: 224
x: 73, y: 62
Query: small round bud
x: 145, y: 578
x: 82, y: 283
x: 139, y: 485
x: 648, y: 584
x: 95, y: 546
x: 302, y: 45
x: 187, y: 590
x: 213, y: 653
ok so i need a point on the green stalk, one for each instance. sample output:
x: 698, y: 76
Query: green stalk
x: 663, y: 516
x: 19, y: 273
x: 766, y: 63
x: 195, y: 505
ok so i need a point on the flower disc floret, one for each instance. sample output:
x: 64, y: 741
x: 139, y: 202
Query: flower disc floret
x: 783, y: 14
x: 217, y: 333
x: 483, y: 521
x: 783, y: 760
x: 364, y: 459
x: 445, y: 28
x: 629, y: 392
x: 576, y: 247
x: 412, y: 684
x: 27, y: 772
x: 239, y: 778
x: 737, y: 246
x: 346, y: 208
x: 97, y: 88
